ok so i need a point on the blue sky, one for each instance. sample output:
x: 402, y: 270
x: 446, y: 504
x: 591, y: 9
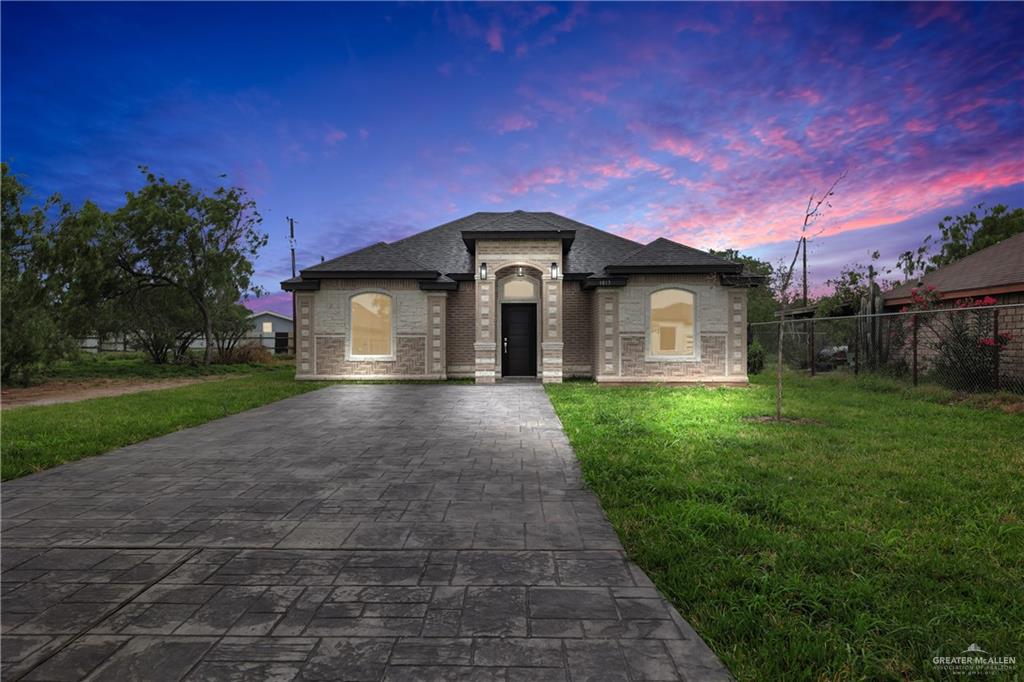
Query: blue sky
x: 705, y: 123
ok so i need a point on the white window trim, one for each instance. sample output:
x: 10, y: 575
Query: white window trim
x: 394, y: 323
x: 651, y: 357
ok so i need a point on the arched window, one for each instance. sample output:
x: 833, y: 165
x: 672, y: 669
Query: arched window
x: 671, y: 330
x: 518, y: 288
x: 371, y: 323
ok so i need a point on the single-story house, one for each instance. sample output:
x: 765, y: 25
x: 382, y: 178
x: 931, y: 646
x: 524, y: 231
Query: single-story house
x: 523, y: 294
x: 996, y: 271
x: 272, y: 330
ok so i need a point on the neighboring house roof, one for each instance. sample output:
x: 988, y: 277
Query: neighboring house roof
x: 996, y: 269
x: 440, y: 256
x: 272, y: 314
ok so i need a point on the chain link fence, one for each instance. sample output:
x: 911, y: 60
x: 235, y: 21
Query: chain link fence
x: 965, y: 349
x: 280, y: 343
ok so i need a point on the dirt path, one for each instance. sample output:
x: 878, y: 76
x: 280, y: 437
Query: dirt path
x: 53, y: 392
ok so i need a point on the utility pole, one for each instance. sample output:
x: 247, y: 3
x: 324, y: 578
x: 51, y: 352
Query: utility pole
x: 804, y: 240
x: 295, y: 319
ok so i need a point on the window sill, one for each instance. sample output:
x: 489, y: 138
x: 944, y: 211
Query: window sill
x: 371, y: 358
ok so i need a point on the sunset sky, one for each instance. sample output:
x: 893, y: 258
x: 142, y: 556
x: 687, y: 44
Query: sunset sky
x: 707, y: 124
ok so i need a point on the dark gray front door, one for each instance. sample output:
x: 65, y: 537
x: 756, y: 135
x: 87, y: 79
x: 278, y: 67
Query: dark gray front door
x: 519, y: 340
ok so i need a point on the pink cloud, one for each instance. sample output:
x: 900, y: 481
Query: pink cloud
x: 514, y: 123
x: 920, y: 126
x: 679, y: 146
x: 280, y: 302
x: 812, y: 97
x: 364, y: 134
x: 889, y: 42
x: 538, y: 178
x: 334, y: 136
x: 494, y: 38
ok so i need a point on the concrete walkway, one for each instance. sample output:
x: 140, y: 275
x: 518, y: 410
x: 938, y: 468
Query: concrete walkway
x: 399, y: 532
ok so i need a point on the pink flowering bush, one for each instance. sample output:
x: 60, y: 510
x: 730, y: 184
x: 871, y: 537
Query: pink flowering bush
x: 964, y: 347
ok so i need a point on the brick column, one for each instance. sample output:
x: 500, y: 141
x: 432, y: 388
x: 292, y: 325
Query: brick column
x: 551, y: 329
x: 485, y: 344
x: 606, y: 319
x: 436, y: 321
x: 304, y: 334
x: 736, y: 339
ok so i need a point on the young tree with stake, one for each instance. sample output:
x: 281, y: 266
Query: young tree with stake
x: 815, y: 209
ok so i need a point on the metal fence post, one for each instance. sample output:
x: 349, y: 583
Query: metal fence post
x: 856, y: 346
x: 913, y: 322
x: 810, y: 345
x: 995, y: 348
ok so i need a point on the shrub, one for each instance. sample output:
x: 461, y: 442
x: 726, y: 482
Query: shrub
x: 252, y: 353
x: 755, y: 357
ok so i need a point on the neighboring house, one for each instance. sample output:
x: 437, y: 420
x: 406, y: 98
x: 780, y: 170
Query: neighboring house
x: 271, y: 329
x: 997, y: 271
x: 497, y: 295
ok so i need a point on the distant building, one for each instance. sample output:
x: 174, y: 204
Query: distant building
x: 273, y: 330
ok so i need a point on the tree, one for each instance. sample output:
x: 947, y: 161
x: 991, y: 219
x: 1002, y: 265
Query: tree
x: 761, y: 303
x: 161, y: 321
x: 51, y: 273
x: 31, y: 333
x: 785, y: 277
x: 171, y: 235
x: 961, y: 236
x: 231, y: 325
x: 851, y: 285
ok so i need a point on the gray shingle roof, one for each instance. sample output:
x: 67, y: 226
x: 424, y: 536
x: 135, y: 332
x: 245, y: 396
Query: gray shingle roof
x: 999, y: 265
x: 374, y: 258
x: 665, y: 253
x: 442, y: 249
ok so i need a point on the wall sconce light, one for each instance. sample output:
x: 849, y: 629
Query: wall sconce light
x: 519, y: 271
x: 483, y: 270
x: 554, y: 271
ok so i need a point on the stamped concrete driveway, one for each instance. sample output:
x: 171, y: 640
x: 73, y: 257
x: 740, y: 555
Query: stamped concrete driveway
x: 397, y: 532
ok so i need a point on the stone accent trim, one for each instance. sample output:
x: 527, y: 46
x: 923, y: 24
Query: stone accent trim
x: 304, y: 327
x: 410, y: 360
x: 537, y: 254
x: 712, y: 360
x: 737, y: 339
x: 606, y: 333
x: 436, y: 361
x: 486, y: 368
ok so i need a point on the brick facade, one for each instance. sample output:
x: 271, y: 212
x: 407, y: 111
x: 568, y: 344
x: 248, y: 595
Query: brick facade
x: 578, y: 332
x: 621, y: 328
x: 599, y: 333
x: 459, y: 328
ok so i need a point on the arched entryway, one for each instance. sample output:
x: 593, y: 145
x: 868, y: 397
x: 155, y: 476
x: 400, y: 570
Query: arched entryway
x: 519, y: 294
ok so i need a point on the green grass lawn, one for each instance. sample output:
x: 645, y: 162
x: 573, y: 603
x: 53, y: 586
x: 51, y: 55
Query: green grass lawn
x: 36, y: 438
x: 888, y: 530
